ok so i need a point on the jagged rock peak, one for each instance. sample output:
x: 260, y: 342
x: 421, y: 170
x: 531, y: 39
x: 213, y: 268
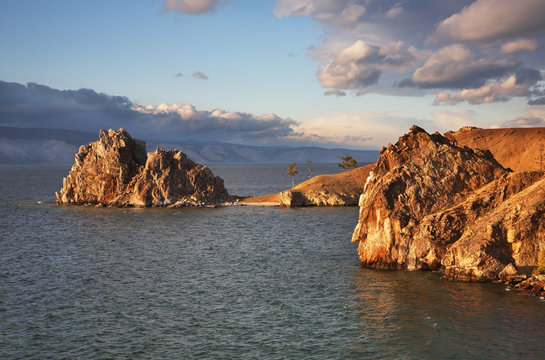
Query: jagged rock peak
x: 116, y: 171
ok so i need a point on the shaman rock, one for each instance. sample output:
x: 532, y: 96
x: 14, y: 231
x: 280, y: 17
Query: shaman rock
x: 116, y: 171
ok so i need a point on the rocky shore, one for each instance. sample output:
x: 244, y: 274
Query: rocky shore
x: 116, y: 171
x: 430, y: 204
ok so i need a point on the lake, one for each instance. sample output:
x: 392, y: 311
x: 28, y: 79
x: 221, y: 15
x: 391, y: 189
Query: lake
x: 229, y: 283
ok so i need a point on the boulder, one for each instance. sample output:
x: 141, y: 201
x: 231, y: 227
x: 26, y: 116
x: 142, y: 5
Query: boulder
x: 116, y: 171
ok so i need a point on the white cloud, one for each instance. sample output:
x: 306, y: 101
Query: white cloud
x: 492, y: 91
x: 366, y: 129
x: 360, y: 65
x: 395, y: 11
x: 193, y: 7
x: 532, y: 117
x: 519, y: 45
x: 334, y: 12
x: 447, y: 120
x: 490, y: 20
x: 455, y: 66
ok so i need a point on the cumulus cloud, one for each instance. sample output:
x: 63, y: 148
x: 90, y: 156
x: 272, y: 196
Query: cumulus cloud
x: 39, y: 106
x: 360, y: 65
x: 491, y: 20
x: 447, y: 45
x: 193, y: 7
x: 519, y: 45
x: 518, y: 84
x: 185, y: 118
x: 455, y: 66
x: 199, y: 75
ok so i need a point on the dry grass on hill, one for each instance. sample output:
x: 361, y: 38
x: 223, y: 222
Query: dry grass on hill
x: 515, y: 148
x: 349, y: 181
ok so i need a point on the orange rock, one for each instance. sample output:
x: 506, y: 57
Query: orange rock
x: 116, y: 171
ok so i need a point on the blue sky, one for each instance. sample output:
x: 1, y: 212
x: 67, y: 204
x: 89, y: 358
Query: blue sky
x: 355, y: 73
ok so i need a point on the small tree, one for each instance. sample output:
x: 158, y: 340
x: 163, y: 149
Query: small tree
x: 347, y: 162
x: 309, y: 169
x: 292, y: 170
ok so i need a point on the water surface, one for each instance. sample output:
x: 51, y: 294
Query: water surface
x: 236, y: 282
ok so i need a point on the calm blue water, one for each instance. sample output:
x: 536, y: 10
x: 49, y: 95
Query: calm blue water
x: 229, y: 283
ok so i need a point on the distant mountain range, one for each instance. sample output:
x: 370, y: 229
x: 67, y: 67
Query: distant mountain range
x: 52, y: 146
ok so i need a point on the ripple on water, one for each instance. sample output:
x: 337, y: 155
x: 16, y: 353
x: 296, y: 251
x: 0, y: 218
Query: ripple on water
x: 240, y: 282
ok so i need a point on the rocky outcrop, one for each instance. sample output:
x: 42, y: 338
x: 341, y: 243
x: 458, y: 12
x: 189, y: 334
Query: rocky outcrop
x: 116, y: 171
x: 430, y: 204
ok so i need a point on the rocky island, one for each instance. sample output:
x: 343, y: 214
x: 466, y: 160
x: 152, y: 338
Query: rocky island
x: 116, y: 171
x: 431, y: 204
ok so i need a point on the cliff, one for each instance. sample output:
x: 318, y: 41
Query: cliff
x: 433, y: 205
x: 116, y: 171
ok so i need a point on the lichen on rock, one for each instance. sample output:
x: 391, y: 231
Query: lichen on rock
x: 116, y: 171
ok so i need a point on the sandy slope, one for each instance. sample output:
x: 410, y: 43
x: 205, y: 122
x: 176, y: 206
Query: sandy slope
x: 351, y: 181
x: 515, y: 148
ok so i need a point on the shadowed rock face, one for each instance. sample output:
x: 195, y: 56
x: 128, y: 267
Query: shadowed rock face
x: 116, y: 171
x: 432, y: 205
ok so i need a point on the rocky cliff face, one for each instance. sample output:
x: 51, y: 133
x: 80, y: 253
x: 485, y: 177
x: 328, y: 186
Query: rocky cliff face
x: 430, y: 204
x: 116, y: 171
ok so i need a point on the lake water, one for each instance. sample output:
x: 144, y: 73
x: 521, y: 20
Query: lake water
x: 229, y: 283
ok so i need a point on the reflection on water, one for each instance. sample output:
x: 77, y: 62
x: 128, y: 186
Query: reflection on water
x: 240, y: 282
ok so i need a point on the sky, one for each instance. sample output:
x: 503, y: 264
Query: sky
x: 351, y: 73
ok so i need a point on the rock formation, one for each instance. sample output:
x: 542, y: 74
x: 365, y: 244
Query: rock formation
x: 430, y: 204
x: 116, y: 171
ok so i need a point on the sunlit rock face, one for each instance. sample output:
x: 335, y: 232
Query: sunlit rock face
x: 116, y: 171
x: 432, y: 205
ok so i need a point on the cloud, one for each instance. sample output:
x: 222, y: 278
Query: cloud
x: 537, y: 101
x: 218, y: 123
x: 395, y: 11
x: 519, y: 45
x: 523, y: 121
x: 39, y: 106
x: 446, y: 45
x: 179, y: 75
x: 455, y: 66
x: 333, y: 12
x: 361, y: 64
x: 493, y: 91
x: 193, y: 7
x: 335, y: 92
x: 491, y: 20
x: 447, y: 120
x: 199, y: 75
x: 362, y: 129
x: 532, y: 117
